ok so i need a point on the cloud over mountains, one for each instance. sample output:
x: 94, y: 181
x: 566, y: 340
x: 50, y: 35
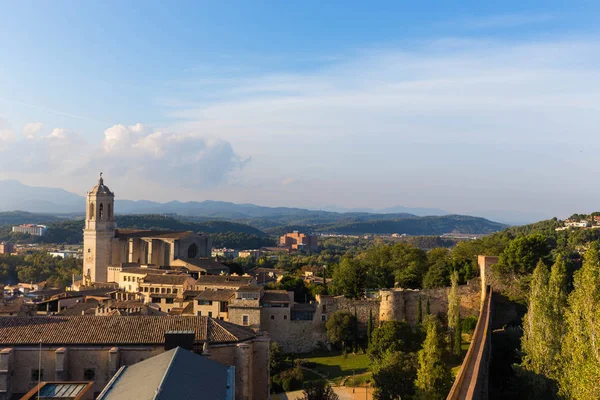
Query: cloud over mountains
x: 126, y: 152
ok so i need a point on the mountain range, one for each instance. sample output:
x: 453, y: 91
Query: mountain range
x: 52, y: 201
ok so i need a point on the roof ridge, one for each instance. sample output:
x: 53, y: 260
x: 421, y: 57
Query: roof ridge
x: 167, y: 370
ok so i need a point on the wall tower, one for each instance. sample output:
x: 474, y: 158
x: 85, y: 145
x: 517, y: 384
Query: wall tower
x: 98, y: 233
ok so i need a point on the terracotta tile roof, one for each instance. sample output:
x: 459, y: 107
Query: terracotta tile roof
x: 203, y: 264
x: 191, y: 294
x: 216, y: 295
x: 115, y: 330
x: 80, y: 308
x: 14, y: 306
x: 275, y: 296
x: 224, y: 280
x: 169, y: 279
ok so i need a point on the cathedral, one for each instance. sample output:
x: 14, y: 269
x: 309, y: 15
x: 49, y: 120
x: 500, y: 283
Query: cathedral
x: 105, y: 245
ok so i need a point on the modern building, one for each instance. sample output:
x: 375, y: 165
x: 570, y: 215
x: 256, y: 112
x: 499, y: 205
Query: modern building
x: 105, y: 245
x: 6, y: 248
x: 174, y: 374
x: 299, y: 241
x: 32, y: 229
x: 228, y: 254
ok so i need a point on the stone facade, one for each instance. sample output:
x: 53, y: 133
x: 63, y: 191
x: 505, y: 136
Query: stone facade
x: 105, y: 246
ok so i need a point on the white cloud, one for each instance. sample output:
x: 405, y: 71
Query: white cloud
x: 138, y: 152
x: 483, y: 116
x: 173, y: 159
x: 7, y: 135
x: 32, y: 129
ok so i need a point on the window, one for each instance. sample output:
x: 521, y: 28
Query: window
x: 101, y: 212
x: 169, y: 301
x: 89, y: 250
x: 89, y: 374
x: 156, y: 299
x: 272, y: 317
x: 174, y: 291
x: 323, y: 317
x: 163, y: 290
x: 285, y: 317
x: 169, y: 291
x: 245, y: 320
x: 210, y: 314
x: 36, y: 374
x: 109, y: 212
x: 91, y: 210
x: 193, y: 250
x: 324, y: 308
x: 199, y: 313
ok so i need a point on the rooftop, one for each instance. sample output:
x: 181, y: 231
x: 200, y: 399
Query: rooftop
x: 276, y: 296
x: 142, y: 233
x: 175, y: 374
x: 167, y: 279
x: 60, y: 390
x: 224, y: 280
x: 103, y: 330
x: 216, y: 295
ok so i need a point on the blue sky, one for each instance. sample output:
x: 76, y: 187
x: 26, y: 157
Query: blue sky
x: 473, y: 107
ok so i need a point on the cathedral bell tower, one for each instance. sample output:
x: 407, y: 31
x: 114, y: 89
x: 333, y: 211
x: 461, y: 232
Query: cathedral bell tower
x: 98, y: 233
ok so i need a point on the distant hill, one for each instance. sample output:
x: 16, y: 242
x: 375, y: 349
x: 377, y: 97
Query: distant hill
x: 433, y: 225
x: 24, y: 217
x: 16, y: 196
x: 58, y: 203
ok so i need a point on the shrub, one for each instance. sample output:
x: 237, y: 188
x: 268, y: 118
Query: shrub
x: 469, y: 324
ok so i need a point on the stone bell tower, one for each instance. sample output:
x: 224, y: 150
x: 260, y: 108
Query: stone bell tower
x: 98, y: 233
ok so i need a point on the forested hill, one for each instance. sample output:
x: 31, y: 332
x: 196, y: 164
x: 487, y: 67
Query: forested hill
x: 434, y: 225
x: 70, y: 231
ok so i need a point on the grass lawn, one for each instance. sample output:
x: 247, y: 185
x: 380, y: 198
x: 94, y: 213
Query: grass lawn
x: 334, y: 365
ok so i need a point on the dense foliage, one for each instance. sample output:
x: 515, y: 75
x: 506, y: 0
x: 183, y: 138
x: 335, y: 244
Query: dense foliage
x: 38, y: 267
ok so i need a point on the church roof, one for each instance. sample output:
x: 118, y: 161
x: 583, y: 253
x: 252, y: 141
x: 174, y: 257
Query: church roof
x: 115, y: 330
x: 142, y: 233
x: 100, y: 188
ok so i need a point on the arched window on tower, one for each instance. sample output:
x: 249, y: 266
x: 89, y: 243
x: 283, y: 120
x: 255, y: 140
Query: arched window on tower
x: 109, y: 212
x: 92, y: 210
x: 101, y: 211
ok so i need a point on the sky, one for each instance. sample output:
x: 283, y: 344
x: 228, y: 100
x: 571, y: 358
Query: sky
x: 481, y: 108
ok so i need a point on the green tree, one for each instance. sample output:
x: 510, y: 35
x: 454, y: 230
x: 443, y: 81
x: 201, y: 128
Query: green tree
x: 393, y: 336
x: 580, y: 373
x: 341, y: 329
x: 454, y: 315
x: 420, y: 312
x: 433, y: 376
x: 370, y: 327
x: 523, y: 253
x: 394, y: 375
x: 350, y: 278
x: 319, y: 390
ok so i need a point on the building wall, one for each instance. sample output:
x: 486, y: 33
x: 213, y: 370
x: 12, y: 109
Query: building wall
x: 69, y: 363
x: 241, y: 308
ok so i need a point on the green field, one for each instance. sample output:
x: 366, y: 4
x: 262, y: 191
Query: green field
x: 335, y: 366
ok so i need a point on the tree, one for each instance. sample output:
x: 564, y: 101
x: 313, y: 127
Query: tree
x: 350, y: 278
x: 433, y: 376
x: 276, y: 358
x: 394, y: 375
x: 454, y: 315
x: 341, y: 328
x: 393, y: 336
x: 420, y: 312
x: 427, y: 307
x: 319, y: 390
x: 370, y: 327
x: 579, y: 377
x: 523, y: 253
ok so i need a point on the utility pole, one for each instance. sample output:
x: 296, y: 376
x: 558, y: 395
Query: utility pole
x: 39, y: 370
